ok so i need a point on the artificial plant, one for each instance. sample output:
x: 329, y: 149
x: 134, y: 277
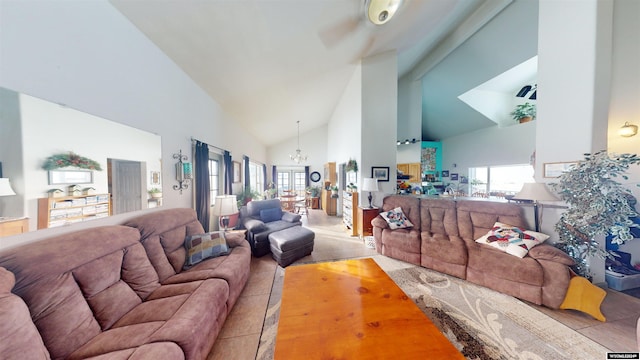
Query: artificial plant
x: 70, y: 159
x: 598, y: 205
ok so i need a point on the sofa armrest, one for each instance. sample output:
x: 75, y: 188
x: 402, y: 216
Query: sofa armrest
x: 379, y: 222
x: 254, y: 225
x: 551, y: 253
x: 290, y: 217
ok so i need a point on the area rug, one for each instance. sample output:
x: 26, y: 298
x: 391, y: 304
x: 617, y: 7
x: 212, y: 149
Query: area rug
x: 481, y: 323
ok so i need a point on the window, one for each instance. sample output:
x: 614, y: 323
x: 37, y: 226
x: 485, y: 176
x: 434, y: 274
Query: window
x: 291, y: 179
x: 214, y: 179
x: 499, y: 180
x: 256, y: 177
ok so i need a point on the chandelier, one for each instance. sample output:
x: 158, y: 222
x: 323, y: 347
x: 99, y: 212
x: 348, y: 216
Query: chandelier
x: 298, y: 157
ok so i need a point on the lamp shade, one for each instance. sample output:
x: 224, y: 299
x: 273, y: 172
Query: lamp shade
x: 225, y: 205
x: 369, y: 184
x: 536, y: 192
x: 5, y: 187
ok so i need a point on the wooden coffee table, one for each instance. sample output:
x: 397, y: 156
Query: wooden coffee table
x: 352, y: 310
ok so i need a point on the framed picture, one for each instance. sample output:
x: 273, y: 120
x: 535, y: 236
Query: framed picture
x: 380, y: 173
x: 155, y: 178
x: 61, y: 177
x: 445, y: 173
x: 237, y: 174
x: 454, y: 176
x: 555, y: 169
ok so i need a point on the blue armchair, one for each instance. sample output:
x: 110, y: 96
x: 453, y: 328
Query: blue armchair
x: 263, y: 217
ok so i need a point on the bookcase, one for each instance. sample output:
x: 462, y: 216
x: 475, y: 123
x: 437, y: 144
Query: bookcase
x: 350, y: 211
x: 59, y: 211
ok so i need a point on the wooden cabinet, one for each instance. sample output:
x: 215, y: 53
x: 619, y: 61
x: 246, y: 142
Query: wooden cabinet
x: 313, y: 202
x: 59, y: 211
x: 365, y: 215
x: 330, y: 175
x: 413, y: 170
x: 350, y: 211
x: 329, y: 204
x: 13, y: 226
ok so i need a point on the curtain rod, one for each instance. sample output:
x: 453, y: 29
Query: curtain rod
x: 213, y: 146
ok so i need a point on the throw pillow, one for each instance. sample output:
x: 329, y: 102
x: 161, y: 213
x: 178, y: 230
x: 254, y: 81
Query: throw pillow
x: 512, y: 239
x: 272, y: 214
x: 396, y: 219
x: 204, y: 246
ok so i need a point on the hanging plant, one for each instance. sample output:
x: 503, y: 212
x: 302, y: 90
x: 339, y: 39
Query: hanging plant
x: 598, y: 205
x: 352, y: 165
x: 70, y: 159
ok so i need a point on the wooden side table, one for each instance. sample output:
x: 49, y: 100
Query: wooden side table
x: 365, y: 215
x: 13, y: 226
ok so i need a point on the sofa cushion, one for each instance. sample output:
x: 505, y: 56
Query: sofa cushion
x: 271, y: 214
x: 204, y: 246
x: 20, y: 338
x: 513, y: 240
x: 162, y: 233
x: 396, y: 219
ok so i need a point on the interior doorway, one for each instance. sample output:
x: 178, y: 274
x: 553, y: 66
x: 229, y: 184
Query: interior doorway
x: 126, y: 185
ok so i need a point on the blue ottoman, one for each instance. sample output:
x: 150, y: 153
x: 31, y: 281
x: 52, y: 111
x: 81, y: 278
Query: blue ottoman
x: 291, y: 244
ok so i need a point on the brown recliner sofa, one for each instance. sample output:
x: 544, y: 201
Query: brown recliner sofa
x: 119, y: 292
x: 446, y: 243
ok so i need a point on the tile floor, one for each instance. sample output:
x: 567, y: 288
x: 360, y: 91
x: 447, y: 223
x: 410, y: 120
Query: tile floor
x: 240, y: 334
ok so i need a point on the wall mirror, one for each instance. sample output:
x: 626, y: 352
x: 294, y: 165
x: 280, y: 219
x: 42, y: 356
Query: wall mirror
x: 32, y: 129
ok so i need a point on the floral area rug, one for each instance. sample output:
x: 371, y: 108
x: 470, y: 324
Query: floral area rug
x: 481, y: 323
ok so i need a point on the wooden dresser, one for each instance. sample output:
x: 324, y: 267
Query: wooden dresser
x: 350, y: 211
x: 13, y: 226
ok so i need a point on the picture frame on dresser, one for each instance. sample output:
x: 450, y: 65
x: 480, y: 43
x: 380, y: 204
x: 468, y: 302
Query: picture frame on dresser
x: 380, y: 172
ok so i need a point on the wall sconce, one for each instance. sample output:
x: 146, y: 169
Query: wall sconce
x: 628, y: 130
x: 183, y: 172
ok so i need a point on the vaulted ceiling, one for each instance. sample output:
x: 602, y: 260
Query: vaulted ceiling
x: 271, y: 63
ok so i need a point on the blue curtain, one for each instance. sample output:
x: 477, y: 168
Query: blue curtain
x: 247, y: 180
x: 274, y: 175
x: 264, y: 177
x: 306, y: 176
x: 228, y: 173
x: 203, y: 188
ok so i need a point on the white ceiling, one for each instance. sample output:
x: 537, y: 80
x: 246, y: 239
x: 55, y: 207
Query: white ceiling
x: 270, y: 63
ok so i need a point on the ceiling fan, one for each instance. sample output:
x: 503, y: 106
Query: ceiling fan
x: 372, y: 12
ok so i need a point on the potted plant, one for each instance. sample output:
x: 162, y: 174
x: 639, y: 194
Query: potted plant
x: 352, y: 165
x: 524, y: 113
x: 271, y: 192
x: 155, y: 193
x: 598, y: 205
x: 334, y: 191
x: 313, y: 191
x: 246, y: 195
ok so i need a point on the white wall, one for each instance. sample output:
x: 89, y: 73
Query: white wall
x: 345, y: 126
x: 491, y: 146
x: 89, y: 57
x: 313, y: 143
x: 379, y: 119
x: 625, y: 95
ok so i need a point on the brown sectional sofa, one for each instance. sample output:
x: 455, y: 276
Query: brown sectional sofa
x: 118, y: 292
x: 443, y: 239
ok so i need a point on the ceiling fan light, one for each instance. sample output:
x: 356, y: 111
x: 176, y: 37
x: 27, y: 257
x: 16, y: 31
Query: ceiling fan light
x: 381, y: 11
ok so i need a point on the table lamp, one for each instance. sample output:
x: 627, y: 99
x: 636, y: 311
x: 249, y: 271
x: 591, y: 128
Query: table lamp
x: 5, y: 189
x: 370, y: 185
x: 224, y: 206
x: 535, y: 192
